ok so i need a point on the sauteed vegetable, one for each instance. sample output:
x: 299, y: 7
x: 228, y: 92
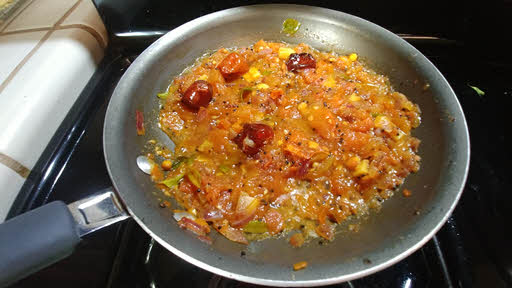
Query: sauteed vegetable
x: 276, y: 138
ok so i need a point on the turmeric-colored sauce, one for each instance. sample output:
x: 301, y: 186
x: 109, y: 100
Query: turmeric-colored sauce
x: 275, y: 137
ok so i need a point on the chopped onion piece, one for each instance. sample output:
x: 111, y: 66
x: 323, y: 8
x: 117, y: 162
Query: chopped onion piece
x: 139, y: 122
x: 244, y: 201
x: 232, y: 234
x: 194, y: 227
x: 178, y: 215
x: 213, y: 215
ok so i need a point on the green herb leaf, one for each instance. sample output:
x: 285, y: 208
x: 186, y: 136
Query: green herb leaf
x: 194, y: 176
x: 290, y: 26
x: 224, y: 169
x: 162, y: 95
x: 191, y: 159
x: 256, y: 227
x: 266, y: 72
x: 180, y: 160
x: 477, y: 90
x: 170, y: 90
x: 172, y: 182
x: 205, y: 146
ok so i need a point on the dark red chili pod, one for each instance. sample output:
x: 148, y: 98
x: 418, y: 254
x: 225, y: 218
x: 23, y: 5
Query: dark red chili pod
x: 253, y: 137
x: 300, y: 61
x: 199, y: 94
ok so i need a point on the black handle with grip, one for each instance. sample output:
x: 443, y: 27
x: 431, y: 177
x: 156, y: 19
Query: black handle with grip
x: 36, y: 239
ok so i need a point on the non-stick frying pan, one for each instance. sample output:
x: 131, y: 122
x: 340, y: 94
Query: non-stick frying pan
x: 402, y: 226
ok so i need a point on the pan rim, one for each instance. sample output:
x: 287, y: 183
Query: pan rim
x: 323, y: 281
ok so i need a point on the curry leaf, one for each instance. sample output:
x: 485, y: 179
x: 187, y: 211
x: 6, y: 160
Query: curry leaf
x: 477, y: 90
x: 195, y: 177
x: 162, y: 95
x: 205, y: 146
x: 180, y: 160
x: 290, y: 26
x: 266, y: 72
x: 224, y: 168
x: 256, y: 227
x: 172, y: 182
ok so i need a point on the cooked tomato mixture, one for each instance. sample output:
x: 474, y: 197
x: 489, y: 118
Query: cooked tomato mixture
x: 276, y: 138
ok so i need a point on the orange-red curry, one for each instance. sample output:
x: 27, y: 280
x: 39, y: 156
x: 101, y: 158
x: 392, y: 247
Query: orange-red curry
x: 275, y: 138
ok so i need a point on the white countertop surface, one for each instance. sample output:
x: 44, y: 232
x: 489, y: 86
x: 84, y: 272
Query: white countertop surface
x: 49, y: 49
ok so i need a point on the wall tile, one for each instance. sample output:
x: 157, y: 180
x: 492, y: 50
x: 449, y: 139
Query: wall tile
x: 14, y: 47
x: 35, y: 102
x: 86, y: 14
x: 10, y: 184
x: 40, y: 14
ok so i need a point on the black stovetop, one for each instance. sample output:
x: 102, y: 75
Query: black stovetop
x: 471, y: 250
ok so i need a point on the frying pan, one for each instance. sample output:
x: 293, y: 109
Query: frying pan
x: 30, y: 242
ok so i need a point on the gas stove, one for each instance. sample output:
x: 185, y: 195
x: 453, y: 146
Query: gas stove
x: 469, y: 251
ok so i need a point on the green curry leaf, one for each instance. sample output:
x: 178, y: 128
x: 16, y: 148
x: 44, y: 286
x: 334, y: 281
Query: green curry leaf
x: 162, y: 95
x: 205, y: 146
x: 477, y: 90
x: 176, y: 163
x: 224, y: 168
x: 194, y: 176
x: 172, y: 182
x: 266, y: 72
x: 256, y: 227
x: 290, y: 26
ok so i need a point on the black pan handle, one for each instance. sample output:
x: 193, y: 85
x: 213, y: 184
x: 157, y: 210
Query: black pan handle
x: 45, y: 235
x: 35, y: 240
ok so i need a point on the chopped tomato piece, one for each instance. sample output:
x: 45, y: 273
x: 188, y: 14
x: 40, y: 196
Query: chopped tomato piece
x: 297, y: 240
x: 325, y: 230
x: 276, y: 94
x: 300, y: 168
x: 274, y: 220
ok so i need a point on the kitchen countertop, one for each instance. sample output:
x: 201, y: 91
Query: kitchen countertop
x: 49, y: 49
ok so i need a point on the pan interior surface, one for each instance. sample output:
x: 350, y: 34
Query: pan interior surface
x: 385, y: 237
